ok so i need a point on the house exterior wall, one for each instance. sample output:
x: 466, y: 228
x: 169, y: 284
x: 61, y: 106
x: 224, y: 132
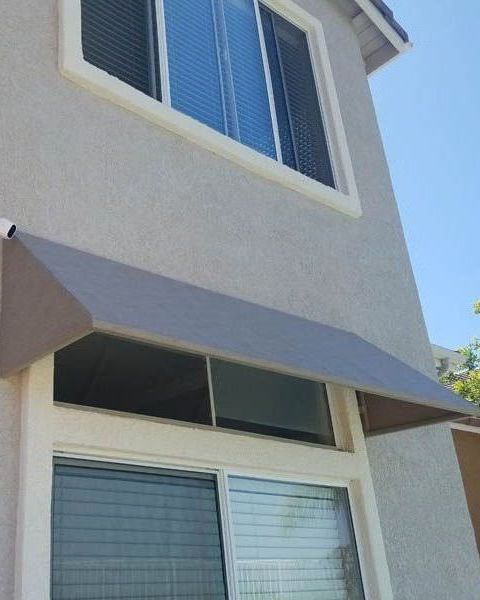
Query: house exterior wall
x: 9, y: 459
x: 79, y: 170
x: 429, y: 538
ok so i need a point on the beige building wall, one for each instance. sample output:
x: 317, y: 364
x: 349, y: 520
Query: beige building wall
x: 9, y: 459
x: 79, y: 170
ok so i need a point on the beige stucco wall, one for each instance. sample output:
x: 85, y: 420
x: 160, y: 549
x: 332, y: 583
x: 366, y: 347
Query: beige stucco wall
x: 9, y: 446
x: 427, y: 529
x: 79, y: 170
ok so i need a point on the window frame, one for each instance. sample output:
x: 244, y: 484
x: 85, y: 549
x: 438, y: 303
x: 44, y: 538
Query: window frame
x: 49, y: 430
x: 338, y: 443
x: 221, y: 477
x: 344, y: 199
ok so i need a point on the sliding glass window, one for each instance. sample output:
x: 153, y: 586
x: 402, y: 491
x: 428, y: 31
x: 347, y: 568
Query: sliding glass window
x: 110, y: 373
x: 233, y: 65
x: 123, y: 532
x: 106, y: 372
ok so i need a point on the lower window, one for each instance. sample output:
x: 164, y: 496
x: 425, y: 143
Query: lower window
x: 121, y: 532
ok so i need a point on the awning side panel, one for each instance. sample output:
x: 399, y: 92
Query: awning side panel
x: 385, y: 415
x: 38, y: 315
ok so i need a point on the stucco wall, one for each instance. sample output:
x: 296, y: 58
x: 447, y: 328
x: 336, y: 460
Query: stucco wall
x: 9, y: 445
x: 79, y: 170
x: 429, y: 537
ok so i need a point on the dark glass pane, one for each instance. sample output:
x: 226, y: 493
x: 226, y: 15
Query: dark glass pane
x: 127, y: 534
x: 111, y: 373
x: 296, y: 98
x: 121, y: 39
x: 269, y: 403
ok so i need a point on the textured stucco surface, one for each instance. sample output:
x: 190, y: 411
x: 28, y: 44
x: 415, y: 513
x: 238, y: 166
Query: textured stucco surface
x: 9, y: 445
x: 79, y: 170
x: 429, y: 537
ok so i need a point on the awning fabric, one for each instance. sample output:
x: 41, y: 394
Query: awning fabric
x: 53, y: 295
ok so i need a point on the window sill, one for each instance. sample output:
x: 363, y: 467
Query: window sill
x: 75, y: 68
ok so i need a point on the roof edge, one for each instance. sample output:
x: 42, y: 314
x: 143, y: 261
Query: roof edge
x: 396, y: 39
x: 387, y: 13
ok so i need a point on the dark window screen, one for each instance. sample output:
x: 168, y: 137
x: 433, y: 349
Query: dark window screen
x: 120, y: 37
x: 301, y: 128
x: 269, y: 403
x: 111, y: 373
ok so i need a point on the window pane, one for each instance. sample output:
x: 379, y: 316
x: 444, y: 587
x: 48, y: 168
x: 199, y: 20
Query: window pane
x: 260, y: 401
x: 193, y: 61
x: 279, y: 92
x: 123, y: 534
x: 293, y: 541
x: 121, y: 38
x: 248, y: 75
x: 111, y: 373
x: 296, y: 97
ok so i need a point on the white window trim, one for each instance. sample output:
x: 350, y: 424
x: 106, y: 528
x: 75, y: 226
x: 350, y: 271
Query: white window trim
x: 346, y: 199
x: 48, y: 430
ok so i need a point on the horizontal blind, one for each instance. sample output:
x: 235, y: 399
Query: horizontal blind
x: 216, y: 70
x: 255, y: 126
x: 135, y: 535
x: 296, y: 98
x: 194, y: 61
x: 291, y: 542
x: 119, y: 37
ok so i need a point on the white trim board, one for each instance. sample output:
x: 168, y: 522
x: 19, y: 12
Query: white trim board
x: 345, y: 199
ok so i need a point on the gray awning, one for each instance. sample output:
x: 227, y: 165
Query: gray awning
x: 53, y: 295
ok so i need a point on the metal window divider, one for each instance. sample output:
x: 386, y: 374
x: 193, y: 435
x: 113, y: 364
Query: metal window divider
x: 210, y: 392
x: 163, y: 52
x: 228, y: 539
x: 268, y: 80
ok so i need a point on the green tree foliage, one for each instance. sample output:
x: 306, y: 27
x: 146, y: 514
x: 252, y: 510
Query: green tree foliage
x: 470, y: 387
x: 466, y: 379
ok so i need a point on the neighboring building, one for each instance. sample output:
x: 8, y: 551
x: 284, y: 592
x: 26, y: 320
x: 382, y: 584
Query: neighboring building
x: 215, y: 366
x: 446, y: 360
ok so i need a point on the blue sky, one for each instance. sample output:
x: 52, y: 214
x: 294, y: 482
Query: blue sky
x: 428, y: 106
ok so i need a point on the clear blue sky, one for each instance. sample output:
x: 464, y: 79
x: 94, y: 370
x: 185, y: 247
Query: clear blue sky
x: 428, y: 105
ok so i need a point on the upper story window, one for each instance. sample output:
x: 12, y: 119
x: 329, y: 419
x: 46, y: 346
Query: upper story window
x: 110, y: 373
x: 234, y: 65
